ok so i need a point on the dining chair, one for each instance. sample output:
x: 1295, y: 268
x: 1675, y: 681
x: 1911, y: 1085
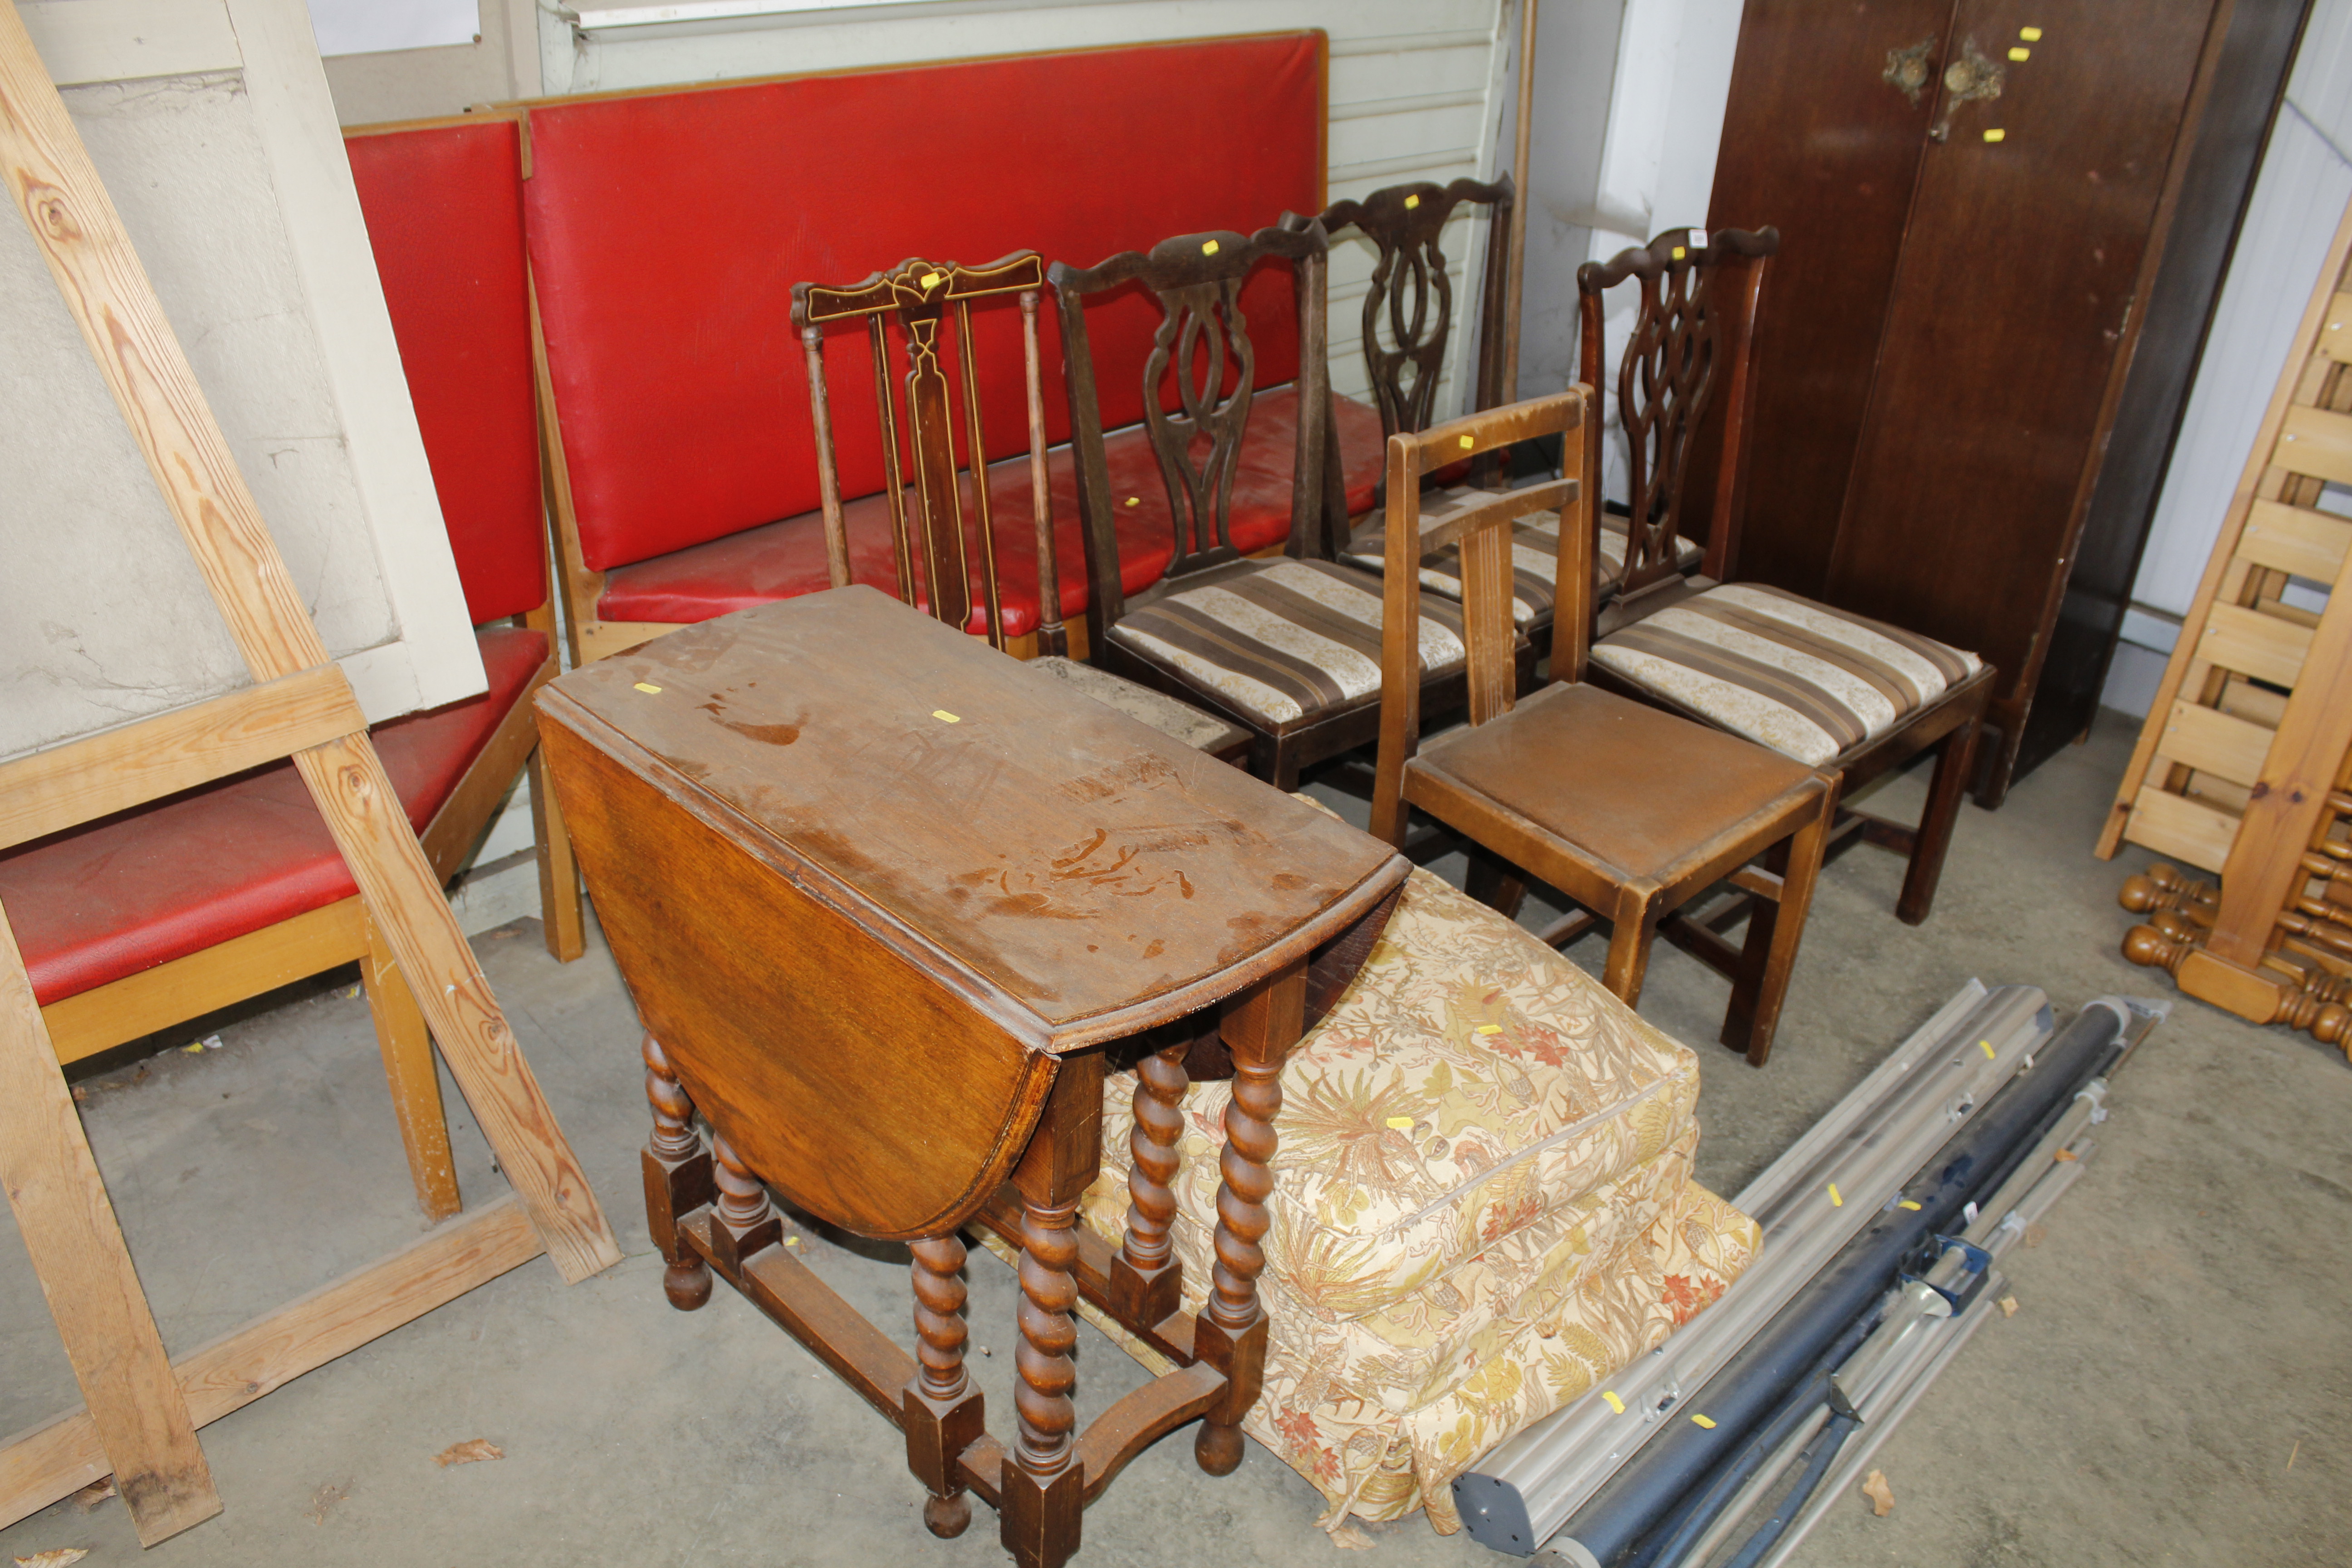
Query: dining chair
x: 1852, y: 697
x: 1630, y: 811
x: 942, y: 526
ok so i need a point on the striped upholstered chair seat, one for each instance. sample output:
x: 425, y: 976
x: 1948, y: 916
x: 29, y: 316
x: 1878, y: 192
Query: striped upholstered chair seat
x: 1812, y: 682
x: 1535, y: 564
x: 1286, y: 642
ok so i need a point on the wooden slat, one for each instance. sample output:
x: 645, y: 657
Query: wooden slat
x: 2253, y: 643
x: 406, y: 1048
x: 137, y: 1414
x: 2213, y: 742
x: 2335, y: 337
x: 67, y: 785
x: 1448, y: 517
x: 2182, y: 828
x: 2318, y: 442
x: 2256, y: 704
x: 202, y: 983
x: 55, y: 1460
x: 2297, y: 539
x: 466, y: 814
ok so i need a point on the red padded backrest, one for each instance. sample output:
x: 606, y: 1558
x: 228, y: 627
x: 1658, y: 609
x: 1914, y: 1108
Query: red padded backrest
x: 667, y: 231
x: 444, y: 208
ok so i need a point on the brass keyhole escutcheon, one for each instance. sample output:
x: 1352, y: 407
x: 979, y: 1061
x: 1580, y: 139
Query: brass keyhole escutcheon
x: 1972, y: 75
x: 1907, y: 70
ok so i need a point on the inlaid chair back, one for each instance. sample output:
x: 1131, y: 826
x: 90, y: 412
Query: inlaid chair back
x: 1408, y: 319
x: 918, y: 412
x: 1203, y: 347
x: 1690, y: 347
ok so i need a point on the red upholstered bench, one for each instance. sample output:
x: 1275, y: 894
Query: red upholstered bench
x: 161, y: 914
x: 667, y: 227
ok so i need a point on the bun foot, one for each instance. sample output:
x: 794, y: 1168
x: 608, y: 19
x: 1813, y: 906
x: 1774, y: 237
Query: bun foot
x: 1218, y: 1448
x: 688, y: 1285
x: 947, y: 1517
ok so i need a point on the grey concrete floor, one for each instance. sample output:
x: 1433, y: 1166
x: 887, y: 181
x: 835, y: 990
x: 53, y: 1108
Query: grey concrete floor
x: 2174, y: 1389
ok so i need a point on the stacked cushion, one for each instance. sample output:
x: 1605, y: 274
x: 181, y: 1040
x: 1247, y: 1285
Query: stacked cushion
x: 1483, y: 1205
x: 1286, y: 642
x: 1534, y: 563
x: 1809, y: 681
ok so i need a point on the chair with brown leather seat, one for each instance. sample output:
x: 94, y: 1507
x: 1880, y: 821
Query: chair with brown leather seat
x: 1837, y: 691
x: 1631, y: 812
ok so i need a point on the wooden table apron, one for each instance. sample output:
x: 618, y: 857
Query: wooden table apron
x: 885, y: 899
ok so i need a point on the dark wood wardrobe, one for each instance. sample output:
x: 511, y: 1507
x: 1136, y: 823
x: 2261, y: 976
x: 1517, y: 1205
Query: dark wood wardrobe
x: 2003, y: 226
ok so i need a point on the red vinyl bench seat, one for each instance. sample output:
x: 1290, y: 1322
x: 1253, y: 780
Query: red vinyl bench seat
x: 110, y: 898
x: 782, y: 560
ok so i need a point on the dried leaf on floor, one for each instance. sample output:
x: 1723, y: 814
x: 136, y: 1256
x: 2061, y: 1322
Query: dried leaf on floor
x: 327, y: 1497
x: 2068, y: 1155
x: 2033, y: 1234
x: 1880, y: 1495
x: 468, y: 1452
x: 57, y: 1557
x: 2009, y: 1306
x: 1347, y: 1538
x: 97, y: 1492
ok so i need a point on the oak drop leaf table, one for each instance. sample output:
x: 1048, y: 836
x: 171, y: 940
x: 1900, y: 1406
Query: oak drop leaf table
x: 887, y: 900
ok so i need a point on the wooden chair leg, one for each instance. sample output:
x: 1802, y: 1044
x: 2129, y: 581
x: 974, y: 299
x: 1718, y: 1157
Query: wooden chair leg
x: 1495, y: 882
x: 1755, y: 953
x: 1780, y: 954
x: 1955, y: 756
x: 559, y: 875
x: 1636, y: 926
x: 944, y: 1414
x: 415, y: 1082
x: 677, y: 1180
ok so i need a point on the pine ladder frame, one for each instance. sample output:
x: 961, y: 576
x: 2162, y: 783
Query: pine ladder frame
x: 142, y: 1410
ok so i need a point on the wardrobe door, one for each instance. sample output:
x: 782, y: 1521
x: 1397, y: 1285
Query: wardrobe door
x: 2046, y: 165
x: 1822, y: 132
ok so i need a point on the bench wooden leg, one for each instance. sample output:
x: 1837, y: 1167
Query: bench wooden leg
x: 415, y: 1082
x: 560, y: 917
x: 677, y: 1180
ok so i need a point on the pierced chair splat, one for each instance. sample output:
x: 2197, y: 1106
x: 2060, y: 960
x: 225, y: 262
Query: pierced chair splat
x: 1290, y: 649
x: 940, y: 520
x: 1631, y: 812
x: 1408, y: 324
x: 1853, y: 696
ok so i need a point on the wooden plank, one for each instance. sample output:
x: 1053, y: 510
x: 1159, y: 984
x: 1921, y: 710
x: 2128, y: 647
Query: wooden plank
x: 2256, y: 704
x: 137, y: 1414
x: 1455, y: 513
x: 2335, y: 337
x: 2297, y: 539
x: 2290, y: 795
x: 2213, y: 742
x: 2318, y: 442
x: 39, y: 1466
x: 416, y: 1083
x: 106, y: 289
x: 404, y: 900
x: 2182, y: 828
x: 169, y: 993
x: 81, y: 781
x: 2253, y: 643
x: 466, y: 814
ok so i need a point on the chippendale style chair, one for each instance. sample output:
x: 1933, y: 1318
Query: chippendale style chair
x: 1631, y: 812
x: 1290, y: 650
x: 1408, y: 324
x: 1851, y: 696
x: 927, y: 495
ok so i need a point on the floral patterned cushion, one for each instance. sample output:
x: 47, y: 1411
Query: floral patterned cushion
x: 1469, y: 1083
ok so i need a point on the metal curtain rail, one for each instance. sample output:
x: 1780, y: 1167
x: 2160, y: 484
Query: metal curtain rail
x: 1810, y: 1203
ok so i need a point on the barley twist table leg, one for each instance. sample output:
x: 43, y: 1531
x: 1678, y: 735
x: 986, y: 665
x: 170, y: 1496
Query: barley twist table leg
x: 1147, y: 1284
x: 677, y: 1180
x: 944, y: 1414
